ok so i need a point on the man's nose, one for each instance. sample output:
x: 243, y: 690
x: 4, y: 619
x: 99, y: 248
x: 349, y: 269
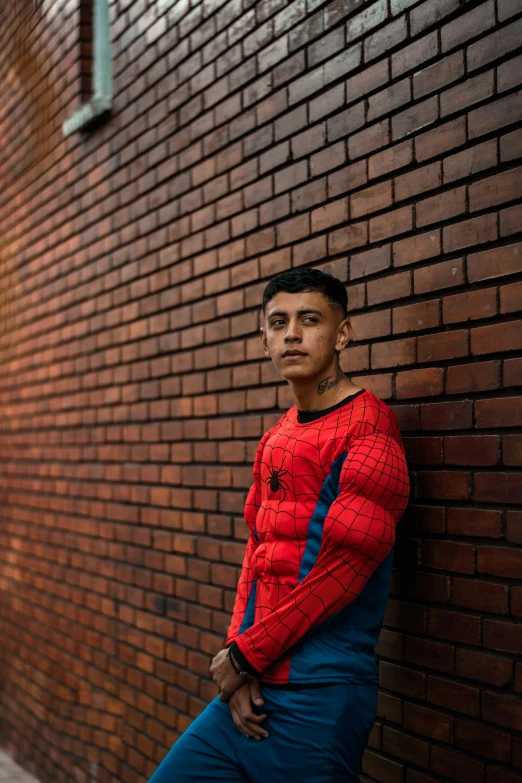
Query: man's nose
x: 293, y: 331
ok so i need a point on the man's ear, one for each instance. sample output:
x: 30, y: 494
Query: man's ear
x: 264, y: 341
x: 344, y: 334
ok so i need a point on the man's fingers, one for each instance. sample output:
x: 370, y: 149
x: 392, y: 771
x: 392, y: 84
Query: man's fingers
x: 255, y: 692
x: 251, y: 716
x: 250, y: 730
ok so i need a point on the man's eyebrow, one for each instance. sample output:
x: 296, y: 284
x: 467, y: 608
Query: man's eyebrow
x: 299, y: 312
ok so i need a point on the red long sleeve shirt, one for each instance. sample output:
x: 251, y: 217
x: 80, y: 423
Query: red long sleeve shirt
x: 322, y: 512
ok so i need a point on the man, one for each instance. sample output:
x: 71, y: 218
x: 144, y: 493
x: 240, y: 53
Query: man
x: 330, y: 484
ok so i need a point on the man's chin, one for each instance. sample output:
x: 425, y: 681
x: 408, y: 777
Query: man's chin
x: 294, y: 373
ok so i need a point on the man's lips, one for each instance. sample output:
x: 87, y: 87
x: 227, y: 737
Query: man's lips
x: 293, y: 353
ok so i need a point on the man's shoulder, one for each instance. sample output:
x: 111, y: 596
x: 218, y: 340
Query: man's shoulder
x: 370, y: 414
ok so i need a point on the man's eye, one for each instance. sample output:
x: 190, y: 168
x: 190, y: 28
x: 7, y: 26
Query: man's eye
x: 310, y: 317
x: 277, y: 321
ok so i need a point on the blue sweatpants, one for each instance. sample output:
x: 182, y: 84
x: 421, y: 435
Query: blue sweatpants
x: 317, y: 735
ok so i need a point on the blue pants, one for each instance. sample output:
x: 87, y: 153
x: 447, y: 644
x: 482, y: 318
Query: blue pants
x: 317, y: 735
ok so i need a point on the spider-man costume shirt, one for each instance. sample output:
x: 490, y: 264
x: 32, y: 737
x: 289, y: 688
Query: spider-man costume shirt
x: 329, y: 488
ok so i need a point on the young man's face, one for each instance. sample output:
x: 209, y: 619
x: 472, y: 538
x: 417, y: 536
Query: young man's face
x: 301, y: 333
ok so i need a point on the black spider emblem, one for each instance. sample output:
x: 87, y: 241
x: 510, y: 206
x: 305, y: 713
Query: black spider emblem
x: 275, y: 479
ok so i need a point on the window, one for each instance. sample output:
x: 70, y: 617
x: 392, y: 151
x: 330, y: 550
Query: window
x: 95, y: 70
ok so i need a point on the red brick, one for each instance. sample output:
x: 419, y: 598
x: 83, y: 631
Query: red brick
x: 498, y: 488
x: 470, y: 91
x: 443, y: 275
x: 430, y: 12
x: 493, y: 116
x: 471, y: 305
x: 308, y: 141
x: 446, y: 485
x: 441, y: 207
x: 478, y: 376
x: 427, y: 652
x: 390, y: 159
x: 496, y: 189
x: 437, y: 347
x: 499, y: 412
x: 429, y: 723
x: 473, y: 521
x: 514, y: 526
x: 471, y: 450
x: 512, y: 449
x: 448, y: 556
x: 500, y: 561
x: 455, y: 765
x: 496, y: 338
x: 493, y: 263
x: 329, y: 158
x: 414, y: 118
x: 384, y: 39
x: 406, y: 747
x: 480, y: 596
x: 511, y: 146
x: 371, y: 78
x: 424, y: 451
x: 389, y: 99
x: 355, y: 359
x: 502, y: 710
x: 468, y: 25
x: 366, y: 19
x: 483, y: 667
x: 419, y: 383
x: 441, y: 139
x: 402, y: 680
x: 438, y: 75
x: 508, y: 74
x: 501, y: 775
x: 367, y: 141
x: 330, y: 215
x: 349, y: 178
x: 417, y: 248
x: 346, y: 122
x: 513, y: 372
x: 370, y: 261
x: 354, y: 235
x: 390, y: 224
x: 392, y: 287
x: 470, y: 232
x: 447, y: 415
x: 415, y: 54
x: 393, y: 353
x: 371, y: 325
x: 510, y: 220
x: 388, y: 771
x: 453, y: 695
x: 308, y: 195
x: 495, y: 45
x: 371, y: 199
x: 422, y: 315
x: 502, y: 635
x: 380, y: 385
x: 418, y: 181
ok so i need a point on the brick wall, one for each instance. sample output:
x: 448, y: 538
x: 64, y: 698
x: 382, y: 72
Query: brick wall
x: 377, y: 140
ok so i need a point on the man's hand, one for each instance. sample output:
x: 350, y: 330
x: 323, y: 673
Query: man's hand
x: 224, y: 675
x: 240, y: 704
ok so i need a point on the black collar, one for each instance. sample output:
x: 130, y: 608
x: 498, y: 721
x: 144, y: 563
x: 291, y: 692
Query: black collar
x: 306, y: 416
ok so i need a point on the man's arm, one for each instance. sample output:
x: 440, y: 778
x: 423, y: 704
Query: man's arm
x: 358, y: 534
x: 246, y: 578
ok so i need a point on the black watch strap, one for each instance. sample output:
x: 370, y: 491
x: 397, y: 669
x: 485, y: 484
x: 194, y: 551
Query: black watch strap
x: 244, y: 665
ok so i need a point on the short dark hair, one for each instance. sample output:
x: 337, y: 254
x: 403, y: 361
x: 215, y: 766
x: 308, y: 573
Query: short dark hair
x: 296, y: 280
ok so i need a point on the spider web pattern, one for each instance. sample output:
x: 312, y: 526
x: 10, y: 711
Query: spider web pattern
x: 356, y: 525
